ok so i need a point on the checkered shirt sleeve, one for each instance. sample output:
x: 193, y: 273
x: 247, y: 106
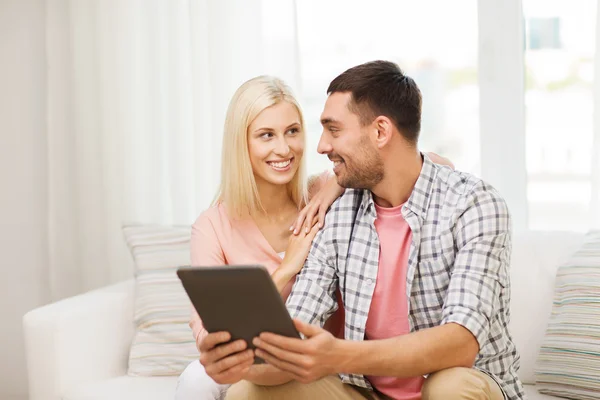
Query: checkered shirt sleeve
x: 313, y: 297
x: 481, y: 265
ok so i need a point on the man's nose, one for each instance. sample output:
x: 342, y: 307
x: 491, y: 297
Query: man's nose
x: 324, y: 146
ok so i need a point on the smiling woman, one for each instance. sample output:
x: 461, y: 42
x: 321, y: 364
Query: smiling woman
x: 262, y: 191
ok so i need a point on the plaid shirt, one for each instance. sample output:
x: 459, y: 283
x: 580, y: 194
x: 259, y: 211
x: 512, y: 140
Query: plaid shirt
x: 457, y: 267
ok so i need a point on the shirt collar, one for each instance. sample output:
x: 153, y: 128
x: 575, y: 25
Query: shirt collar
x: 419, y: 199
x: 418, y: 202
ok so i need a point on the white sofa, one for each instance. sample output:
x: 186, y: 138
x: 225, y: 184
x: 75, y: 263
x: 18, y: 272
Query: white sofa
x: 77, y: 348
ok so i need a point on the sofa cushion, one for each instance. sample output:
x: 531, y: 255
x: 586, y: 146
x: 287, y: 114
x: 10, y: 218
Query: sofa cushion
x: 532, y: 394
x: 569, y: 359
x: 535, y: 259
x: 126, y: 388
x: 163, y: 342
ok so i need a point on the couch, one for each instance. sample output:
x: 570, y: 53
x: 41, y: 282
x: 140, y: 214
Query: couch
x: 77, y: 348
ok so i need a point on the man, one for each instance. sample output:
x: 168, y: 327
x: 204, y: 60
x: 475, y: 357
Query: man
x: 420, y: 254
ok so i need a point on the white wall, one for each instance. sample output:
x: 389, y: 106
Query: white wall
x: 23, y: 198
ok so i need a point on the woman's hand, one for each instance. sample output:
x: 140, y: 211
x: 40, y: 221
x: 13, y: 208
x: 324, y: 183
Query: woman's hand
x: 295, y: 255
x: 314, y: 212
x: 225, y: 363
x: 437, y: 159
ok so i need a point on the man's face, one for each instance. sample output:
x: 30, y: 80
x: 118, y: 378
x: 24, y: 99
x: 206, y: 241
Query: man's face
x: 357, y: 162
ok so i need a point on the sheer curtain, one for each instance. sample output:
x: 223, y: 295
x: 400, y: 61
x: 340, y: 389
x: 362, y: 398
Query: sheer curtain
x: 137, y: 92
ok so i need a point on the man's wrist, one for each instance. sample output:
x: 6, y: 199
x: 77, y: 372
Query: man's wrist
x: 343, y: 356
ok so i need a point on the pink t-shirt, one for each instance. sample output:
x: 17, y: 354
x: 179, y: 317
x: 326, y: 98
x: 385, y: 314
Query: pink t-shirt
x: 388, y: 315
x: 218, y: 239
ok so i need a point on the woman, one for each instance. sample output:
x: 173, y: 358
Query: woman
x: 261, y: 194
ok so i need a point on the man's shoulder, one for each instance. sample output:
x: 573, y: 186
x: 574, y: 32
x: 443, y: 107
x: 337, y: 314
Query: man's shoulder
x: 348, y: 202
x: 463, y: 188
x: 470, y: 200
x: 343, y: 211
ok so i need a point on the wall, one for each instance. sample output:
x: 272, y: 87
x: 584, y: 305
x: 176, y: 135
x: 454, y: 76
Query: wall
x: 23, y: 180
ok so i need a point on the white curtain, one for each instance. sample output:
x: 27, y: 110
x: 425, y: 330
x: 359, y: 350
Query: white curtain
x: 137, y: 92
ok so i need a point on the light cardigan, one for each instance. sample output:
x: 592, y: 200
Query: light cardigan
x: 218, y: 239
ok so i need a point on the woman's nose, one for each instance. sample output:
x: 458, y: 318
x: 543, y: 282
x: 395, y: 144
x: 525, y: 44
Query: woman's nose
x: 282, y: 147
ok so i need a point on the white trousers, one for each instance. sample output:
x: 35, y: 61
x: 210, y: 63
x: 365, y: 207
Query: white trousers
x: 195, y: 384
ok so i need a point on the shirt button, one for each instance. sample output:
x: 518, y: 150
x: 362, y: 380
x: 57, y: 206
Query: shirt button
x: 369, y: 282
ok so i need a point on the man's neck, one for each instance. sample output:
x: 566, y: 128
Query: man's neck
x: 401, y: 175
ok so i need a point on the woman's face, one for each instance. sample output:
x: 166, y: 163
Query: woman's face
x: 276, y: 144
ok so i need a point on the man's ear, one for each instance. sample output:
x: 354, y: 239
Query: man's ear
x: 383, y: 128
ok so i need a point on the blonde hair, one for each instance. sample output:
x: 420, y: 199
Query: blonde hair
x: 238, y: 190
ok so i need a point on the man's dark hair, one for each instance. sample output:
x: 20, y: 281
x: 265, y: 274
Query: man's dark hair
x: 381, y: 88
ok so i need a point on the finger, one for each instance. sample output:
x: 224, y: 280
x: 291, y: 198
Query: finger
x: 307, y: 329
x: 313, y: 231
x: 213, y: 339
x: 226, y: 363
x: 279, y: 353
x: 233, y: 374
x: 282, y: 342
x: 310, y: 213
x: 299, y: 221
x: 296, y: 371
x: 309, y: 223
x: 322, y: 213
x: 223, y: 351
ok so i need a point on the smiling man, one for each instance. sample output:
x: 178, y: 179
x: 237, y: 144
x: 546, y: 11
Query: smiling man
x: 420, y: 254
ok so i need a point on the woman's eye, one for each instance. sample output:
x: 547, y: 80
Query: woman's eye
x: 293, y: 131
x: 266, y: 135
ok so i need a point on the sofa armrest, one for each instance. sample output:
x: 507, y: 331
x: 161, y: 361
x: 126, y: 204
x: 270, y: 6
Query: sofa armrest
x: 78, y: 340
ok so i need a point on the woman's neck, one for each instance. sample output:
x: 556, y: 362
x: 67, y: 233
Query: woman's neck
x: 275, y: 199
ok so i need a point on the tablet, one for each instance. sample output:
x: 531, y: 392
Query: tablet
x: 239, y: 299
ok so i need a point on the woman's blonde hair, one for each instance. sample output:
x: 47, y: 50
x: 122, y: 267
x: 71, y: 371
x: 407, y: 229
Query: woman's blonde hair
x: 238, y: 190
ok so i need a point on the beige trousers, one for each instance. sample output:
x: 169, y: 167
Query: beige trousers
x: 449, y: 384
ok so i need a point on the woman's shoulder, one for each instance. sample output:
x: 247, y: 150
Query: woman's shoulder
x: 216, y: 216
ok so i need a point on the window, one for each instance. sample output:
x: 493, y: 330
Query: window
x: 548, y: 166
x: 559, y: 65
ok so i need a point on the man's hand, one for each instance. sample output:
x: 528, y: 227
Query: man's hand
x: 306, y: 360
x: 225, y: 363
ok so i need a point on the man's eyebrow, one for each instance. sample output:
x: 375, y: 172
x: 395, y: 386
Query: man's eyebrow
x: 328, y: 120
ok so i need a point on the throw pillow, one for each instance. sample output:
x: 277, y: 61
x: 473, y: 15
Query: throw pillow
x: 163, y: 342
x: 568, y: 364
